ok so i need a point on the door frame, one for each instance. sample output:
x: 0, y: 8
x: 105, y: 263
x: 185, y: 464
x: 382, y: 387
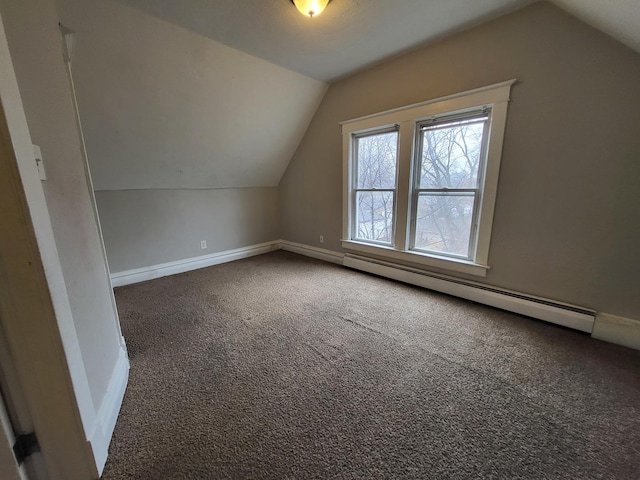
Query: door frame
x: 8, y: 465
x: 34, y: 306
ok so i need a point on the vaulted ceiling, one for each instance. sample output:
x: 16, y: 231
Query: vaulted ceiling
x: 219, y: 93
x: 352, y: 34
x: 349, y: 35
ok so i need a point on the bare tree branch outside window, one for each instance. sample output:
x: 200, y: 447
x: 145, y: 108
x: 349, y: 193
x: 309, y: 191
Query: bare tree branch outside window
x: 375, y: 188
x: 449, y: 176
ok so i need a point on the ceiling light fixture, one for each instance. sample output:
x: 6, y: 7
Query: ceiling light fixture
x: 310, y: 8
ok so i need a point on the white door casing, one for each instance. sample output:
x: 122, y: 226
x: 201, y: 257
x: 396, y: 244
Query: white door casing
x: 34, y: 305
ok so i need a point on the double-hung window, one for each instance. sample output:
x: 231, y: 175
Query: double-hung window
x: 374, y: 188
x: 449, y: 162
x: 421, y: 181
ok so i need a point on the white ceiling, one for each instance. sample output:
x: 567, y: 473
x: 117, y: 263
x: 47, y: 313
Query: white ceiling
x: 353, y: 34
x: 348, y: 36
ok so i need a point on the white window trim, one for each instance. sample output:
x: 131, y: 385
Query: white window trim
x: 494, y: 96
x: 353, y: 186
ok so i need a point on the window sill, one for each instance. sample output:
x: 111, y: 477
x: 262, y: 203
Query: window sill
x: 445, y: 263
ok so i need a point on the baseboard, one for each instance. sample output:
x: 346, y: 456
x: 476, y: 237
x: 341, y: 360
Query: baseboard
x: 137, y: 275
x: 107, y: 414
x: 620, y: 330
x: 610, y: 328
x: 551, y: 311
x: 309, y: 251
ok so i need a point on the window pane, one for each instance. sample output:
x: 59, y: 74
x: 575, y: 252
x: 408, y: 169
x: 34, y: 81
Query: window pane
x: 443, y: 223
x: 451, y: 155
x: 376, y: 162
x: 374, y: 216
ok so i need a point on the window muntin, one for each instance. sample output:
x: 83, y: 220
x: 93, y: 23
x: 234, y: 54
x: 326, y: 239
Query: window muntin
x: 449, y: 165
x: 374, y: 191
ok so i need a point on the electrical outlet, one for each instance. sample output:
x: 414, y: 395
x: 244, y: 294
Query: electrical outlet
x: 321, y: 238
x: 203, y: 244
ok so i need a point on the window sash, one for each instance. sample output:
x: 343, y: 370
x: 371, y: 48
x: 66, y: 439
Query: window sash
x: 355, y: 189
x: 474, y: 193
x: 355, y: 232
x: 447, y: 121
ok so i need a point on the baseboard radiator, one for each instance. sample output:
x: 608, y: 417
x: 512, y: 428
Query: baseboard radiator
x: 555, y: 312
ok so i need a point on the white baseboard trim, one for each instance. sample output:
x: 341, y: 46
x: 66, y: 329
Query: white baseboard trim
x: 619, y: 330
x: 107, y: 414
x: 137, y: 275
x: 309, y: 251
x: 543, y: 309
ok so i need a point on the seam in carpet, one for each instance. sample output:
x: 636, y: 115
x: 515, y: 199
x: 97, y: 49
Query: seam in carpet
x: 504, y: 383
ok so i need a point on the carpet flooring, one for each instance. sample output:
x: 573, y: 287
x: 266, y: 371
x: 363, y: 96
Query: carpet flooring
x: 284, y: 367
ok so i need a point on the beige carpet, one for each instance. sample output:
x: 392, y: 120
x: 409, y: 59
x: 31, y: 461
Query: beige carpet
x: 283, y: 367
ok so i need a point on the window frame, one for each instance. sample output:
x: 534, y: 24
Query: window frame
x: 495, y: 99
x: 476, y: 192
x: 355, y: 189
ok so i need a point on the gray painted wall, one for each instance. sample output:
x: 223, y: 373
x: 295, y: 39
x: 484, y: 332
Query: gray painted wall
x: 566, y: 225
x: 149, y: 227
x: 163, y: 107
x: 184, y: 134
x: 47, y: 100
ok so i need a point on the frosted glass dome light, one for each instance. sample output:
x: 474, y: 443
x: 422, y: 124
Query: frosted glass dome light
x: 310, y: 8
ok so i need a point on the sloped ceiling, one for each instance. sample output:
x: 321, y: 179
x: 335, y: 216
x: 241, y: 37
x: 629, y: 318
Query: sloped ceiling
x: 218, y: 93
x: 349, y: 35
x: 352, y: 34
x: 163, y: 107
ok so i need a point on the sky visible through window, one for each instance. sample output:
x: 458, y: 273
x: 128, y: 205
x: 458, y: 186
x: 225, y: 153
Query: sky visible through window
x: 449, y: 176
x: 376, y: 169
x: 446, y: 187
